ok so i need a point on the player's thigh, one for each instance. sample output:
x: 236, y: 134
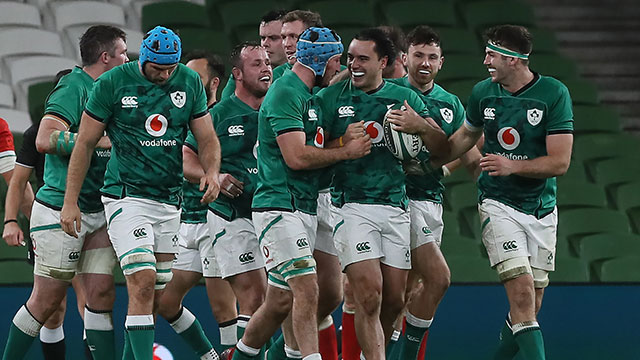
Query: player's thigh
x: 426, y: 223
x: 395, y: 236
x: 234, y: 246
x: 188, y: 257
x: 324, y: 234
x: 502, y: 234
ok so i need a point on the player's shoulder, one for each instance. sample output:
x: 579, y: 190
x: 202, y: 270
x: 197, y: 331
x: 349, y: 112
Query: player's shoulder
x: 334, y: 89
x: 550, y: 83
x: 442, y: 94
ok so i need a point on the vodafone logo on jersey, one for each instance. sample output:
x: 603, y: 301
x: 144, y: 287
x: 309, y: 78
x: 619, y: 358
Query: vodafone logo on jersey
x: 156, y: 125
x: 509, y: 138
x: 319, y: 138
x: 374, y: 130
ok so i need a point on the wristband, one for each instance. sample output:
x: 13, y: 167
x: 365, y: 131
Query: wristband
x: 10, y: 221
x: 340, y: 141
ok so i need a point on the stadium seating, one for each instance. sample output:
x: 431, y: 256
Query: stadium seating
x: 544, y: 41
x: 459, y: 41
x: 37, y: 67
x: 409, y: 13
x: 480, y: 15
x: 628, y: 201
x: 70, y: 13
x: 595, y: 119
x: 582, y: 92
x: 462, y: 88
x: 29, y: 41
x: 577, y: 223
x: 471, y: 269
x: 462, y: 67
x: 15, y: 272
x: 554, y: 65
x: 243, y: 13
x: 355, y: 13
x: 204, y: 39
x: 6, y: 96
x: 624, y: 269
x: 18, y: 121
x: 569, y: 270
x: 19, y: 14
x: 174, y: 14
x: 37, y: 95
x: 581, y: 195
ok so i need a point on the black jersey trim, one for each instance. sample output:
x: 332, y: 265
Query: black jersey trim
x: 536, y: 76
x: 94, y: 116
x: 56, y: 208
x: 201, y: 114
x: 111, y: 196
x: 289, y: 130
x: 563, y: 131
x: 190, y: 146
x: 212, y: 105
x: 429, y: 91
x: 60, y: 116
x: 265, y: 209
x: 370, y: 92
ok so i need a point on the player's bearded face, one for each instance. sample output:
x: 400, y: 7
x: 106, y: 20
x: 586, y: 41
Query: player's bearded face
x: 423, y: 62
x: 256, y: 71
x: 158, y: 74
x: 497, y: 65
x: 364, y: 65
x: 271, y: 40
x: 333, y: 67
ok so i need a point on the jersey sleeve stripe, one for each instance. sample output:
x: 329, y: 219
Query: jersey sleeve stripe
x: 561, y: 131
x: 25, y: 165
x: 472, y: 128
x: 289, y: 130
x: 94, y: 116
x: 199, y: 115
x: 57, y: 117
x: 195, y: 150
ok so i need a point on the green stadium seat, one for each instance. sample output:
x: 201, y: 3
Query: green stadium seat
x: 347, y: 33
x: 595, y: 147
x: 36, y: 98
x: 616, y: 171
x: 459, y: 41
x: 12, y: 252
x: 582, y: 92
x: 554, y: 65
x: 462, y: 67
x: 624, y: 269
x: 564, y: 249
x: 628, y: 200
x: 576, y: 173
x: 544, y: 41
x: 460, y: 246
x: 407, y: 14
x: 204, y: 39
x: 581, y: 195
x: 570, y: 270
x: 608, y: 246
x: 578, y: 223
x: 459, y: 176
x: 343, y: 13
x: 463, y: 196
x: 451, y: 224
x: 460, y: 88
x: 595, y: 119
x: 468, y: 269
x: 174, y: 14
x: 246, y: 33
x: 480, y: 15
x: 15, y: 272
x: 245, y: 13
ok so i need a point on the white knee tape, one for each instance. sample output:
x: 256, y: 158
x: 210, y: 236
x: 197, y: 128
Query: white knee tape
x: 540, y: 278
x: 513, y: 268
x: 163, y: 274
x: 97, y: 261
x: 137, y: 259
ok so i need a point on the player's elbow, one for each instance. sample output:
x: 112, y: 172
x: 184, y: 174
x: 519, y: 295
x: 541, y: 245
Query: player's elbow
x: 561, y: 167
x: 294, y: 163
x: 42, y: 144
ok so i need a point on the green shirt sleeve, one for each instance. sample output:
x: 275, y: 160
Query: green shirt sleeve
x: 561, y: 111
x: 474, y: 117
x: 285, y: 116
x: 458, y: 113
x: 417, y: 104
x: 66, y: 102
x: 101, y: 101
x: 229, y: 88
x: 200, y: 98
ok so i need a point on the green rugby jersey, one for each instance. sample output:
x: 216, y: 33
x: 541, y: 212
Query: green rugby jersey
x: 281, y: 70
x: 285, y: 108
x: 447, y: 111
x: 516, y: 126
x: 236, y: 124
x: 67, y: 101
x: 378, y: 177
x: 147, y: 125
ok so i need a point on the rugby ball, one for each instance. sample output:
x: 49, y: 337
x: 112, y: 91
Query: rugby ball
x: 402, y: 145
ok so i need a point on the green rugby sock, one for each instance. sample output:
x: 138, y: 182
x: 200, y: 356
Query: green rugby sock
x: 507, y: 348
x: 276, y: 350
x: 141, y: 332
x: 529, y: 338
x: 413, y: 335
x: 24, y: 329
x: 100, y: 336
x: 188, y: 327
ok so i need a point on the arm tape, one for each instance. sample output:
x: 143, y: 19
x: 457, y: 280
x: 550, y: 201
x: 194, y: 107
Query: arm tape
x: 62, y: 141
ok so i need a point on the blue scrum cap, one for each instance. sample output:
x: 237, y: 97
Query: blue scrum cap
x: 160, y: 46
x: 316, y: 46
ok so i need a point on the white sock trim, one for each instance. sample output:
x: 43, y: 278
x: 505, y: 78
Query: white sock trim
x: 26, y: 323
x: 314, y: 356
x: 362, y: 356
x: 396, y: 335
x: 97, y: 321
x: 525, y: 325
x: 229, y: 335
x: 326, y: 323
x: 138, y: 320
x: 347, y: 310
x: 292, y: 353
x: 247, y: 349
x: 184, y: 322
x: 417, y: 322
x: 243, y: 320
x: 51, y: 336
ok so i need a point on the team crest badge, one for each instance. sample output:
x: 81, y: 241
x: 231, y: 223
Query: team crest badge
x: 534, y: 116
x: 447, y: 115
x: 179, y: 98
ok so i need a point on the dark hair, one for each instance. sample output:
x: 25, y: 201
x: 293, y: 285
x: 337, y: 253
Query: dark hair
x: 383, y: 45
x: 423, y: 35
x: 512, y: 37
x: 273, y: 15
x: 215, y: 65
x: 236, y: 58
x: 397, y: 37
x: 98, y: 39
x: 308, y: 18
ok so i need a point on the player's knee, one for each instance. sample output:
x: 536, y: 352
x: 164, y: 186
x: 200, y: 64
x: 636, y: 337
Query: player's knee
x: 369, y: 299
x: 138, y: 259
x: 540, y: 278
x: 163, y: 274
x: 513, y: 268
x: 65, y: 275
